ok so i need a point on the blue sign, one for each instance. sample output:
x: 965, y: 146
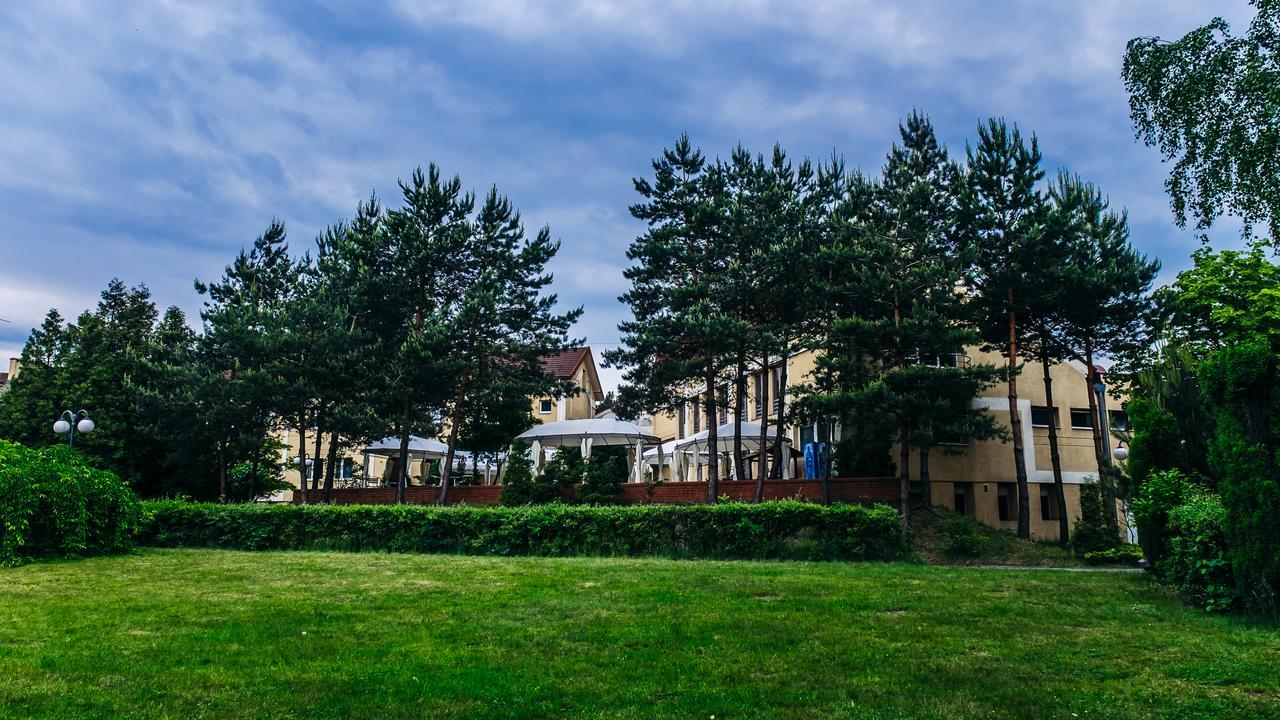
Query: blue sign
x: 810, y: 461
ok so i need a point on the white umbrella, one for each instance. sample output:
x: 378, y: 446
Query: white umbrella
x: 583, y: 434
x: 419, y: 447
x: 700, y: 443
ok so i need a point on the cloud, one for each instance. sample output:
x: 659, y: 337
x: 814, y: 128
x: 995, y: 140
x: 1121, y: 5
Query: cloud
x: 151, y: 143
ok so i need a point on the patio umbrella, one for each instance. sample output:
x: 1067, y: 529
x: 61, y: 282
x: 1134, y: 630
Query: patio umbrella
x: 606, y: 430
x: 699, y: 443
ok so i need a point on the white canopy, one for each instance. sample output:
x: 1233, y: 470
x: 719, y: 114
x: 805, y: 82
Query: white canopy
x: 724, y: 439
x: 605, y: 430
x: 419, y: 448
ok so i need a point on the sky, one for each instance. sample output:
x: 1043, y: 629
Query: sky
x: 150, y: 142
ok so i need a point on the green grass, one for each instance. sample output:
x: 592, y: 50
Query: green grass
x: 220, y: 634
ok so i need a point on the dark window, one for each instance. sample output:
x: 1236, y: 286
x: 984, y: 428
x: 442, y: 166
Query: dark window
x: 346, y: 468
x: 1119, y: 420
x: 544, y: 407
x: 1048, y: 503
x: 777, y: 388
x: 724, y: 407
x: 697, y: 414
x: 1040, y: 416
x: 1081, y: 418
x: 964, y: 498
x: 680, y: 418
x: 1004, y: 501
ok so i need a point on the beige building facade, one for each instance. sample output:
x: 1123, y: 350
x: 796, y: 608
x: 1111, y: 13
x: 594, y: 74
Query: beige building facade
x: 977, y: 478
x: 354, y: 466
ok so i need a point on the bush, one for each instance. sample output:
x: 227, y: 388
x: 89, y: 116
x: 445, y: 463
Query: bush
x: 1197, y: 563
x: 521, y: 487
x: 1161, y: 492
x: 783, y: 529
x: 604, y: 476
x: 52, y: 503
x: 963, y: 538
x: 1093, y: 531
x: 1123, y: 555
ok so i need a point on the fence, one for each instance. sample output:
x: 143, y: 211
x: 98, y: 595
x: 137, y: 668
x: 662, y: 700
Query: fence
x: 860, y: 490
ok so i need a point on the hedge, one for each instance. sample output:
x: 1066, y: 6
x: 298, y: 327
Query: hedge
x: 783, y: 529
x: 52, y: 503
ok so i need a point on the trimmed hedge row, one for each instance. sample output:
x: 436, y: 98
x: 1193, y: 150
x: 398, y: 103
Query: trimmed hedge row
x: 782, y: 529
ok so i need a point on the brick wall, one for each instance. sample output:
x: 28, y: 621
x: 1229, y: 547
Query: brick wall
x: 842, y: 489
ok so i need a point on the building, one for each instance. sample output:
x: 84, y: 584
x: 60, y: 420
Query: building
x: 975, y: 479
x: 7, y: 377
x: 576, y: 365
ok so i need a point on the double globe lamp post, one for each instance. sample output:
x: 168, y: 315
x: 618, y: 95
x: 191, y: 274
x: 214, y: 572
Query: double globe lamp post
x: 71, y: 423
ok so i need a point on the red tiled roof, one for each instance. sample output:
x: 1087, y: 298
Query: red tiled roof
x: 563, y: 363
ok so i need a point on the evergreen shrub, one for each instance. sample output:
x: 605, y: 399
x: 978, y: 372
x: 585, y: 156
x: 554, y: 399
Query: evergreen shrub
x: 782, y: 529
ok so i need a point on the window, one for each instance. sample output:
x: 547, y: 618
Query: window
x: 697, y: 415
x: 1081, y: 418
x: 544, y: 406
x: 1119, y: 420
x: 964, y: 498
x: 1041, y: 415
x: 680, y: 420
x: 1048, y: 503
x: 1004, y: 501
x: 777, y: 388
x: 724, y: 408
x: 346, y: 468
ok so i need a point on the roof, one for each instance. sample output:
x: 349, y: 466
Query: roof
x: 563, y: 363
x: 566, y: 362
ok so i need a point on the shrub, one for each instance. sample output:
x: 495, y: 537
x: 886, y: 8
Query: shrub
x: 1093, y: 531
x: 782, y: 529
x: 1123, y: 555
x: 604, y: 476
x: 521, y: 487
x: 963, y: 538
x: 1197, y: 563
x: 1161, y: 492
x: 52, y: 503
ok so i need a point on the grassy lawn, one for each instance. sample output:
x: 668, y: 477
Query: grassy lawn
x: 219, y: 634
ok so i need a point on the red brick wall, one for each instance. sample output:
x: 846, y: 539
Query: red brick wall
x: 842, y: 489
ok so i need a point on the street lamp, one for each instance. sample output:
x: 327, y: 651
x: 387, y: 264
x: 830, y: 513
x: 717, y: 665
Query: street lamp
x: 1121, y: 452
x: 71, y: 423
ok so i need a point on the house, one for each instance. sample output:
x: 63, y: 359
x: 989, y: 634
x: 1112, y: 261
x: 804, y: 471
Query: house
x: 576, y: 365
x: 7, y: 377
x: 976, y: 478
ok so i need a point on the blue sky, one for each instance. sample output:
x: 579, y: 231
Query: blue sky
x: 152, y: 141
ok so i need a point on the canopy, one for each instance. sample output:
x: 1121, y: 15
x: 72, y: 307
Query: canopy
x: 419, y: 448
x: 606, y: 430
x: 724, y: 439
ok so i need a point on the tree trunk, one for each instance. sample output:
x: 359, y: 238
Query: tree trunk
x: 302, y: 457
x: 1059, y: 490
x: 713, y: 440
x: 782, y: 410
x: 739, y: 405
x: 329, y: 469
x: 1015, y: 429
x: 763, y: 458
x: 446, y: 472
x: 1099, y: 442
x: 402, y: 472
x: 315, y: 474
x: 222, y: 469
x: 926, y: 489
x: 904, y: 471
x: 826, y: 465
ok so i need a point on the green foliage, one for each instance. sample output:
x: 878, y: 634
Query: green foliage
x: 1159, y: 494
x: 1093, y: 531
x: 520, y: 486
x: 1208, y: 102
x: 1157, y: 443
x: 1122, y: 555
x: 52, y: 503
x: 605, y: 474
x: 784, y: 529
x: 1197, y: 563
x: 963, y: 539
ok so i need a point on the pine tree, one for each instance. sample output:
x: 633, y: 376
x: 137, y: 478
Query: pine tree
x: 679, y: 337
x: 1001, y: 217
